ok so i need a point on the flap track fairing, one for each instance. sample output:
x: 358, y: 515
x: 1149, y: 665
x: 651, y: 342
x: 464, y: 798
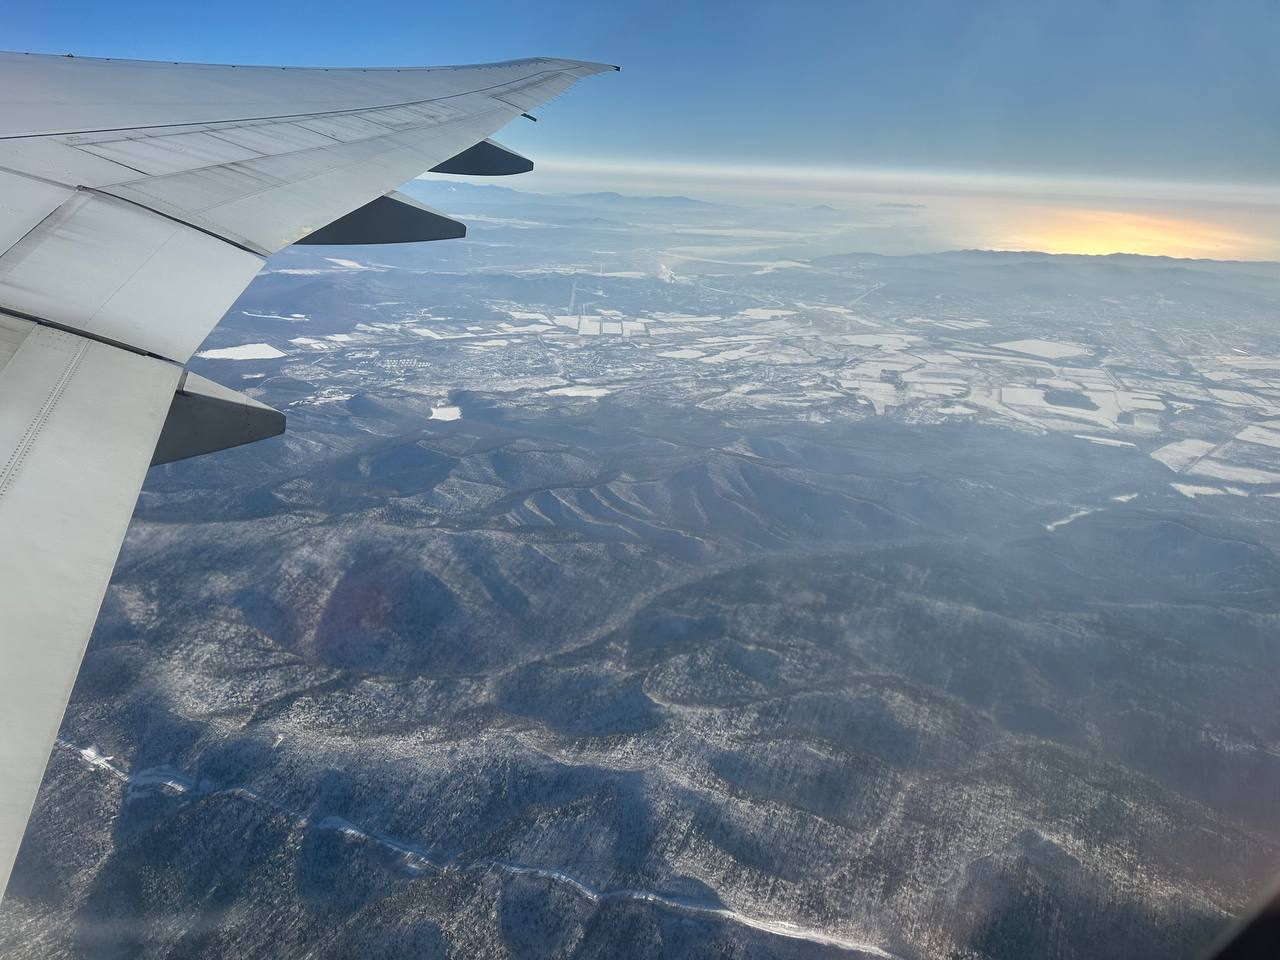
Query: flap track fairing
x: 206, y: 417
x: 488, y: 158
x: 394, y: 218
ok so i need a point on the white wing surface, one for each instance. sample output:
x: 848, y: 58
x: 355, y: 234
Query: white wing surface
x: 137, y: 201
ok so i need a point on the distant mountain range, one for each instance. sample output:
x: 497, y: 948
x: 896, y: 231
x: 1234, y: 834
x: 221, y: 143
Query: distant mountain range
x: 492, y: 193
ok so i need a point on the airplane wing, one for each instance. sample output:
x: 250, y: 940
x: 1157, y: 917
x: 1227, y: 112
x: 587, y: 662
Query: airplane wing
x: 137, y: 201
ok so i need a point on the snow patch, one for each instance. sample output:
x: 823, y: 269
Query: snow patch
x: 579, y: 391
x: 765, y: 313
x: 246, y: 351
x: 1192, y: 490
x: 1104, y: 441
x: 1048, y: 349
x: 1067, y: 519
x: 1180, y: 454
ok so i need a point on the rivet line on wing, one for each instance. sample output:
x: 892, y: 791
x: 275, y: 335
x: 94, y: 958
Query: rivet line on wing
x: 84, y: 334
x: 29, y: 436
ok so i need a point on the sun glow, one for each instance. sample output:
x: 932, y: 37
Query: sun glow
x: 1112, y: 231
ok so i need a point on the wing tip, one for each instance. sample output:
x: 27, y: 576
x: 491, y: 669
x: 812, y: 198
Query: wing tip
x: 587, y: 67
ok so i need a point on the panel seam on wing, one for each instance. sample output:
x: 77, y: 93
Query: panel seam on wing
x: 256, y: 251
x: 29, y: 437
x: 41, y: 222
x: 281, y: 116
x: 82, y: 334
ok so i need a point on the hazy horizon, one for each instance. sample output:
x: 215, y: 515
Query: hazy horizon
x: 924, y: 211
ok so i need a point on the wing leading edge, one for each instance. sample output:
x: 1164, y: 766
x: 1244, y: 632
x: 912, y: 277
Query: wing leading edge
x: 137, y: 201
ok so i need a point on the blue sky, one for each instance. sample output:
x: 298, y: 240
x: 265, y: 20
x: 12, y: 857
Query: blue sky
x: 1130, y: 103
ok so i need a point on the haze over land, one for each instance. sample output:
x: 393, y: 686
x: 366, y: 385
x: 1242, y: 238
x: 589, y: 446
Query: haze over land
x: 897, y: 210
x: 651, y: 577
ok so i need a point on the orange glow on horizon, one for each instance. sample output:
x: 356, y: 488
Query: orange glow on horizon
x: 1101, y: 232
